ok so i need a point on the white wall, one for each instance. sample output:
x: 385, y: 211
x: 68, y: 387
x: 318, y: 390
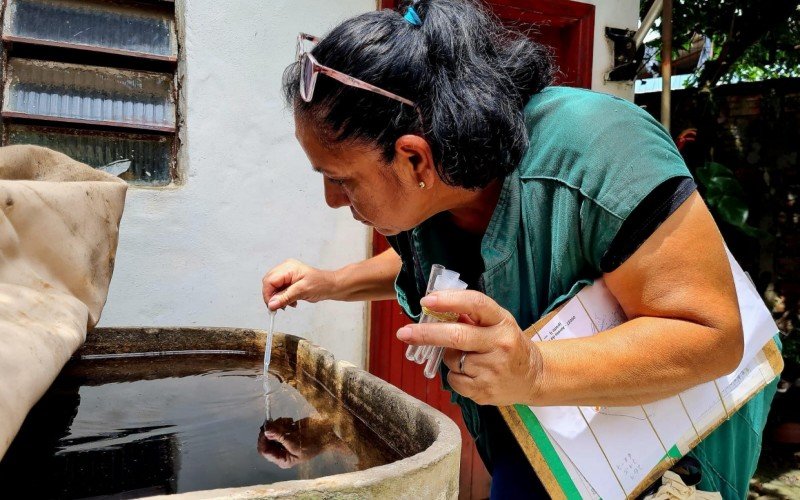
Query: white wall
x: 615, y: 14
x: 195, y: 254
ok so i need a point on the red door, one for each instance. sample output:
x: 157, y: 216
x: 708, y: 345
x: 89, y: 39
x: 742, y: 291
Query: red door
x: 568, y: 27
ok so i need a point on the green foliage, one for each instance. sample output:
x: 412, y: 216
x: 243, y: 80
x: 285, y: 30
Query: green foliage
x: 791, y: 349
x: 725, y: 196
x: 775, y: 56
x: 758, y: 39
x: 752, y: 40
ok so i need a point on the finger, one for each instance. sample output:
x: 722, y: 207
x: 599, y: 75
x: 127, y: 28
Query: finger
x: 466, y: 386
x: 278, y: 426
x: 278, y: 278
x: 278, y: 285
x: 286, y: 297
x: 463, y: 318
x: 477, y: 306
x: 474, y: 363
x: 458, y: 336
x: 291, y: 445
x: 451, y: 359
x: 272, y: 283
x: 272, y: 457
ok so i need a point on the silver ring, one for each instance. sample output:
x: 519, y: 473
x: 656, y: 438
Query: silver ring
x: 461, y: 363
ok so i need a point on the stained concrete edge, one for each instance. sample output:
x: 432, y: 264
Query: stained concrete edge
x: 432, y: 472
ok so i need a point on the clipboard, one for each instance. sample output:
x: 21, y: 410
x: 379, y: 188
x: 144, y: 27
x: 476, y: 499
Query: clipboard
x: 558, y: 457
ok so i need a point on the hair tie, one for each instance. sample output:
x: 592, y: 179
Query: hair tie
x: 412, y: 17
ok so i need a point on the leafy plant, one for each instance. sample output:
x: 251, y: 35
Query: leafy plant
x: 791, y: 349
x: 726, y: 197
x: 752, y: 39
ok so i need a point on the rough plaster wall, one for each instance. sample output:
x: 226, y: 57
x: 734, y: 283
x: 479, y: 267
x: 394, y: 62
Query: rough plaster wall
x: 195, y: 254
x: 616, y: 14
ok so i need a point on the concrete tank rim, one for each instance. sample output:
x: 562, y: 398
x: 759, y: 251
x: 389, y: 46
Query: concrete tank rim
x: 446, y: 447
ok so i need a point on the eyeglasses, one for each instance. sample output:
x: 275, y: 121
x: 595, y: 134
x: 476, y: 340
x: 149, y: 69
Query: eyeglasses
x: 310, y: 69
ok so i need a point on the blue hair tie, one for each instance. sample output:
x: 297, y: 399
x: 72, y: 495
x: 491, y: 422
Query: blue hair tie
x: 412, y: 17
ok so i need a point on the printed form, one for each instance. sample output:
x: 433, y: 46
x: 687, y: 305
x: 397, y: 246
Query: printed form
x: 609, y: 451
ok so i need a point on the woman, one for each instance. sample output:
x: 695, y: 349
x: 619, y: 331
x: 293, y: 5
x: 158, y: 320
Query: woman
x: 437, y: 127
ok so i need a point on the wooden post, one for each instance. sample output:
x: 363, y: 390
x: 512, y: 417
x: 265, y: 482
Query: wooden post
x: 666, y: 63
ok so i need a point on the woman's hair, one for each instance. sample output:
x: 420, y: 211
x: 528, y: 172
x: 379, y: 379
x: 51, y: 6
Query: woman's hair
x: 469, y: 76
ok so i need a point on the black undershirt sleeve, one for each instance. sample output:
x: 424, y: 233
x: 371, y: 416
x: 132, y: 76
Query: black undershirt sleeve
x: 645, y: 219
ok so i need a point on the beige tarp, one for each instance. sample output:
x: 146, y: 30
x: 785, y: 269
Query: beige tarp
x: 59, y: 222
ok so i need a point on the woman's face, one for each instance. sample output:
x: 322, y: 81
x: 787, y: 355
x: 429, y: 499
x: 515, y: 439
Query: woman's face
x: 387, y: 197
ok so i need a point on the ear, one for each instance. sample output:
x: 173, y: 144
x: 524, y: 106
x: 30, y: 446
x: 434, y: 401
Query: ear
x: 414, y: 160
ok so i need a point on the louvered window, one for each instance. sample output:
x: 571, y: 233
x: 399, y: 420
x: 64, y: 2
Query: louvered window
x: 95, y: 80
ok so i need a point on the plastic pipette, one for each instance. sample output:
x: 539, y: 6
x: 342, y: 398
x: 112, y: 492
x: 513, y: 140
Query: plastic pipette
x: 435, y: 353
x: 413, y: 352
x: 267, y: 359
x: 443, y: 280
x: 431, y: 356
x: 268, y: 345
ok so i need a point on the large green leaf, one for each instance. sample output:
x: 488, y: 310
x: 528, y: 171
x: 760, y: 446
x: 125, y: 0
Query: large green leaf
x: 754, y: 232
x: 724, y: 186
x: 707, y: 172
x: 732, y: 210
x: 725, y: 195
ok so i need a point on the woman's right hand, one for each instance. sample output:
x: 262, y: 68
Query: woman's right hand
x: 292, y: 280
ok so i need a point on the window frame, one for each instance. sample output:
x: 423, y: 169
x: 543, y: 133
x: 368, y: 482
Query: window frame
x: 15, y: 46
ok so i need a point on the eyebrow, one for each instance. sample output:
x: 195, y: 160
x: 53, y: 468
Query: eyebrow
x: 320, y: 171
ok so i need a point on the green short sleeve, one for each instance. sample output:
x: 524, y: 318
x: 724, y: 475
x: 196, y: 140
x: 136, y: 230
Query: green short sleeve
x: 630, y: 156
x: 610, y: 150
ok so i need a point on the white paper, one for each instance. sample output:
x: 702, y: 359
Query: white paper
x: 670, y: 419
x: 584, y: 488
x: 613, y: 449
x: 757, y: 322
x: 703, y: 405
x: 615, y: 430
x: 566, y: 427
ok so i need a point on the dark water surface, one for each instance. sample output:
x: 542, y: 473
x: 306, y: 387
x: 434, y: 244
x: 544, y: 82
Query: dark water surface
x: 138, y: 426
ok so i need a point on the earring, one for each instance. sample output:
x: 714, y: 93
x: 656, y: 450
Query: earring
x: 422, y: 185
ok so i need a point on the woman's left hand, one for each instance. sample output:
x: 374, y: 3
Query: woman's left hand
x: 501, y: 367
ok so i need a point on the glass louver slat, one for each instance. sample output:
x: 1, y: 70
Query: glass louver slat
x: 74, y: 93
x: 103, y: 25
x: 149, y: 156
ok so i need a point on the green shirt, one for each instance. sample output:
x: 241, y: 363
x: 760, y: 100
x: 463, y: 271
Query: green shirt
x: 592, y: 159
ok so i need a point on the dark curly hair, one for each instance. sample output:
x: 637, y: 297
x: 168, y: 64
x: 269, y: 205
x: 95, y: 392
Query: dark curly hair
x: 469, y: 76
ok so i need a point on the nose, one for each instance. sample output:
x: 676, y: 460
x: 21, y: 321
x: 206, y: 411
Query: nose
x: 335, y: 196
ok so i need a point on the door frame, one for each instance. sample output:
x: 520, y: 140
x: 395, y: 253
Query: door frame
x: 385, y: 354
x: 576, y: 17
